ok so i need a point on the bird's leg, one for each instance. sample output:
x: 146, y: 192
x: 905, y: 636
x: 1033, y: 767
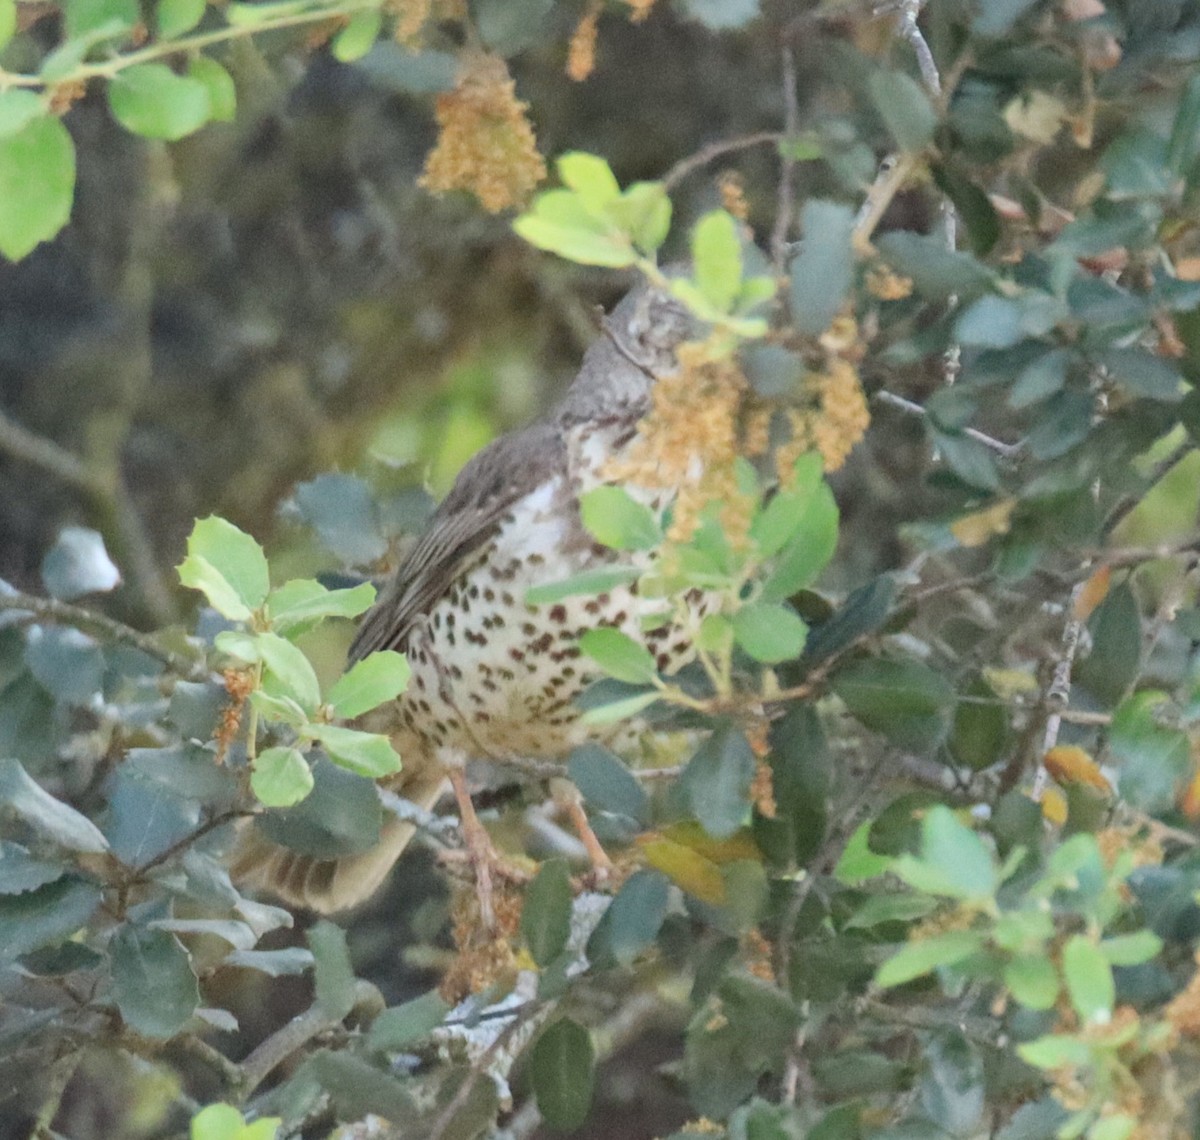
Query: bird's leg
x: 480, y: 851
x: 567, y: 796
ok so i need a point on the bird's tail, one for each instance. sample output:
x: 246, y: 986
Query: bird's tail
x: 327, y: 885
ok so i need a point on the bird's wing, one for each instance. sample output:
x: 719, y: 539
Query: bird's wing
x: 501, y: 474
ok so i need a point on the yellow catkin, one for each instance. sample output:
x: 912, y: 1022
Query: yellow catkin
x: 887, y: 285
x: 733, y: 194
x: 410, y: 17
x: 1183, y: 1010
x: 844, y: 417
x: 482, y: 957
x: 639, y: 9
x: 581, y: 53
x: 691, y: 439
x: 485, y: 142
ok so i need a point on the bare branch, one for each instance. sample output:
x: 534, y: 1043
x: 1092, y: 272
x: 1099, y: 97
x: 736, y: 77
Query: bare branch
x: 36, y: 608
x: 786, y: 206
x: 715, y: 150
x: 1008, y: 450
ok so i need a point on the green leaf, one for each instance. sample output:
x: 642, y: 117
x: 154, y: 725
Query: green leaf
x: 619, y: 655
x: 1041, y: 378
x: 904, y: 107
x: 880, y: 909
x: 227, y: 566
x: 403, y: 1025
x: 560, y: 223
x: 218, y: 1122
x: 777, y: 523
x: 1184, y: 146
x: 281, y: 777
x: 644, y: 213
x: 304, y: 600
x: 587, y: 582
x: 77, y: 564
x: 1113, y: 663
x: 591, y: 178
x: 45, y: 916
x: 222, y: 94
x: 634, y: 917
x: 21, y: 872
x: 979, y: 734
x: 619, y: 710
x: 510, y: 26
x: 916, y: 959
x: 562, y: 1073
x: 18, y: 108
x: 607, y: 784
x: 716, y: 782
x: 343, y: 512
x: 719, y: 15
x: 812, y: 514
x: 964, y: 865
x: 358, y: 36
x: 37, y: 184
x: 952, y: 1088
x: 8, y: 21
x: 369, y: 683
x: 333, y: 976
x: 1055, y: 1050
x: 616, y: 519
x: 1131, y: 949
x: 174, y: 17
x: 1153, y: 758
x: 937, y: 272
x: 287, y: 665
x: 149, y: 99
x: 823, y: 272
x: 1089, y: 979
x: 905, y: 701
x: 153, y: 983
x: 546, y: 914
x: 717, y: 259
x: 58, y: 821
x: 1032, y: 980
x: 86, y: 18
x: 769, y: 632
x: 858, y: 862
x: 363, y: 753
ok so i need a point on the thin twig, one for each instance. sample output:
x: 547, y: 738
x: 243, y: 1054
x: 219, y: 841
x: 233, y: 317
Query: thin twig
x: 64, y: 613
x: 20, y: 443
x: 480, y: 1066
x: 715, y: 150
x: 290, y: 1038
x: 1008, y: 450
x: 1059, y: 692
x: 893, y: 173
x: 786, y: 204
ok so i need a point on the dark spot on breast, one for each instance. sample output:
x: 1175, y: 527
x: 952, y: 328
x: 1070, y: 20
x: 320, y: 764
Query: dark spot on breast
x: 507, y: 675
x: 558, y: 613
x: 528, y: 628
x: 490, y: 685
x: 543, y: 643
x: 489, y: 595
x: 535, y: 559
x: 516, y: 654
x: 663, y: 660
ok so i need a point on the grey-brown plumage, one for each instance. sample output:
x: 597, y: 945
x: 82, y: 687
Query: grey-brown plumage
x: 493, y: 677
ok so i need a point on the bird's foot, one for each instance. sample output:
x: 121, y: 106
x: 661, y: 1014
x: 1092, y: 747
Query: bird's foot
x: 567, y: 796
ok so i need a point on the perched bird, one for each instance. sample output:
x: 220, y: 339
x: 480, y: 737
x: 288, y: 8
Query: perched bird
x: 494, y: 677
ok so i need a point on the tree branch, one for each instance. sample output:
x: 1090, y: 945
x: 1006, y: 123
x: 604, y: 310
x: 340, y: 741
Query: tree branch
x: 63, y: 613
